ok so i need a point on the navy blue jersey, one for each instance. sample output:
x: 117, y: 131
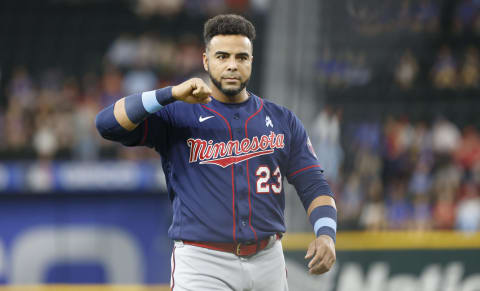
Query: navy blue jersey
x: 225, y: 166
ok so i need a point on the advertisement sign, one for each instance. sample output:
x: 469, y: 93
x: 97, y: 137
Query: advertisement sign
x: 114, y: 239
x: 391, y: 262
x: 67, y: 177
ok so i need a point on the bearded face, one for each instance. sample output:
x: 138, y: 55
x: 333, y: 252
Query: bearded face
x: 228, y: 60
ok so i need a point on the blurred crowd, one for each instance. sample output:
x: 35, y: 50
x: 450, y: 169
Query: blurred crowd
x: 408, y: 42
x: 402, y: 168
x: 51, y: 115
x: 447, y: 69
x: 450, y: 70
x: 418, y: 16
x: 47, y: 111
x: 467, y: 17
x: 381, y: 17
x: 148, y: 8
x: 343, y: 69
x: 401, y: 175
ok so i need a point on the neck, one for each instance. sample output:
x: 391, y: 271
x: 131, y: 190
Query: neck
x: 219, y: 96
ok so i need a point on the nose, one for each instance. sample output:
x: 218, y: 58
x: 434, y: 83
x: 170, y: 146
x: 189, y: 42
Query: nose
x: 232, y: 64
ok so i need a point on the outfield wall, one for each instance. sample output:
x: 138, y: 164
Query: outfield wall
x: 391, y: 261
x: 117, y: 241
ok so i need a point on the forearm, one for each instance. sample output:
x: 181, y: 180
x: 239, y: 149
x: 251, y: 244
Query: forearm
x: 119, y: 121
x: 132, y: 110
x: 310, y: 186
x: 317, y: 198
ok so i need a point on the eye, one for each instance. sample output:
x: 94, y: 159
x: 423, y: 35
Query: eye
x: 221, y: 57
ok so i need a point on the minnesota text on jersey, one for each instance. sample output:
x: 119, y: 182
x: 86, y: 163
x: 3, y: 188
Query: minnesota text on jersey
x: 233, y: 151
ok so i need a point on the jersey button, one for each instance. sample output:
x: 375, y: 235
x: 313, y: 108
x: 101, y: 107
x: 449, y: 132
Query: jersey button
x: 244, y: 223
x: 236, y: 116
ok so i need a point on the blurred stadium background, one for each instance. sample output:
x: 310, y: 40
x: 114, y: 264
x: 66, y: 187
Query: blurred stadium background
x: 388, y: 89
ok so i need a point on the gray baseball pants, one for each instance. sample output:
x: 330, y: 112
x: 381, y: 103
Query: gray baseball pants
x: 201, y: 269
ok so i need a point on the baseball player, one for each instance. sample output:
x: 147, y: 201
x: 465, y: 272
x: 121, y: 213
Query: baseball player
x: 226, y: 153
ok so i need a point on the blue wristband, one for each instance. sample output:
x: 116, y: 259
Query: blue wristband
x: 150, y: 102
x: 324, y: 221
x: 164, y: 96
x: 139, y: 106
x: 154, y: 100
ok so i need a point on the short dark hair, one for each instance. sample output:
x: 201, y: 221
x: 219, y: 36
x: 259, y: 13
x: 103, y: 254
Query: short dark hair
x: 228, y: 24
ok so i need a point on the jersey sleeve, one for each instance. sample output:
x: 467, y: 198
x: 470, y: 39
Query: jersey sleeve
x: 302, y: 157
x: 304, y: 171
x: 153, y: 132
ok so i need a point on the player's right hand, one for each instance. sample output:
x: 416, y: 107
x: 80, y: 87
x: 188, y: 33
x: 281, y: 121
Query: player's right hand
x: 192, y: 91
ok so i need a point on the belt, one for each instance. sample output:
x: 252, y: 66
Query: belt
x: 239, y: 249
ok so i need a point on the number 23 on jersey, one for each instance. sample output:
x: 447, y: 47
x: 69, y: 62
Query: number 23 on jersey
x: 263, y: 184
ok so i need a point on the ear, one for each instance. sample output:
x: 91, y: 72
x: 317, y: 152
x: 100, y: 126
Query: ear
x: 205, y: 61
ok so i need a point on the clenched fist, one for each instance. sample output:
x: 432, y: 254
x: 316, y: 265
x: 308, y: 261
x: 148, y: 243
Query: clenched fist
x: 192, y: 91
